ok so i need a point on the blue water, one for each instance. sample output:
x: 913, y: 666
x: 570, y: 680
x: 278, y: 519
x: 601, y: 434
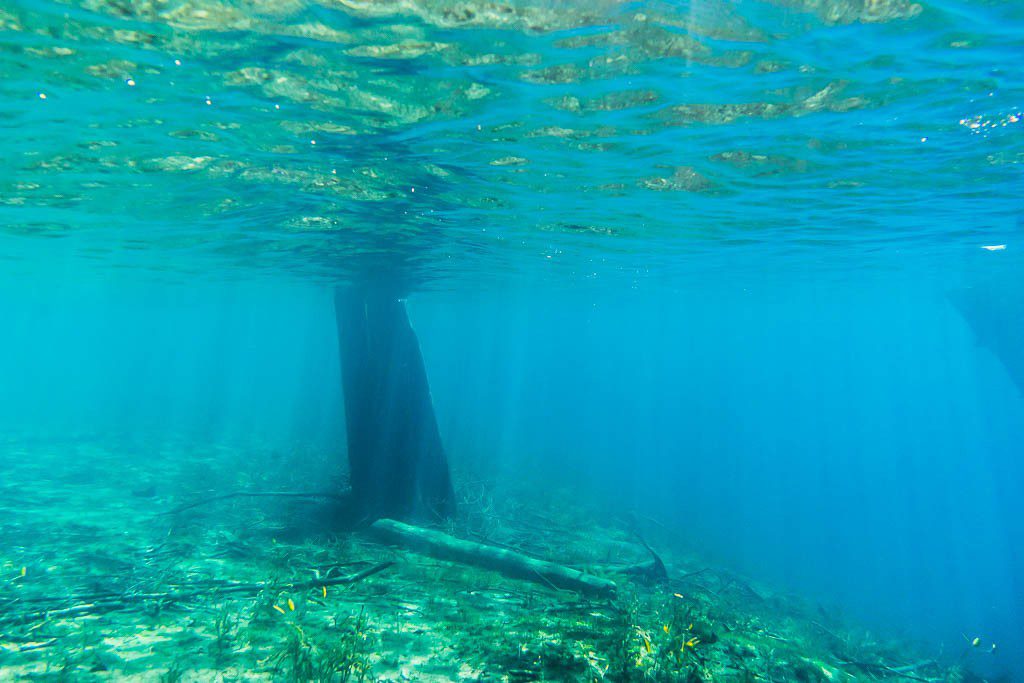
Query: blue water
x: 697, y: 260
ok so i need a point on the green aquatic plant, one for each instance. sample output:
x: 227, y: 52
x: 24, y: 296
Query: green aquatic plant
x: 348, y: 655
x: 174, y: 674
x: 624, y: 650
x: 295, y: 658
x: 67, y: 667
x: 658, y: 638
x: 225, y: 628
x: 340, y: 656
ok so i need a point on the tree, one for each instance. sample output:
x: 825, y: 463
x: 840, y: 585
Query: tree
x: 397, y: 463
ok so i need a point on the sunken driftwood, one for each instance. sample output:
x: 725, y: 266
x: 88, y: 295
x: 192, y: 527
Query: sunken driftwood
x: 445, y: 547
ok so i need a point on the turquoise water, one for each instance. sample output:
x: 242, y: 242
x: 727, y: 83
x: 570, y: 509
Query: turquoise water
x: 751, y: 268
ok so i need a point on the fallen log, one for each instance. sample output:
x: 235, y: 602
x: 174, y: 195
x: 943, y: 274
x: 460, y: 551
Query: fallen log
x: 509, y: 562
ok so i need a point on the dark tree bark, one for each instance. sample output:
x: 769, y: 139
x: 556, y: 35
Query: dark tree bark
x: 397, y: 463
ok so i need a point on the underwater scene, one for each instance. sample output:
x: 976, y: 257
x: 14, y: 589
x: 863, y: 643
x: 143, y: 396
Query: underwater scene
x: 512, y: 340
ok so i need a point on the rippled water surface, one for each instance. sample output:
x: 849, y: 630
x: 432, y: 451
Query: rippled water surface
x: 453, y: 138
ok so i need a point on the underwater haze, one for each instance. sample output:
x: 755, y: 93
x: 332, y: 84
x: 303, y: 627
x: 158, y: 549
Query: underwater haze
x: 735, y: 289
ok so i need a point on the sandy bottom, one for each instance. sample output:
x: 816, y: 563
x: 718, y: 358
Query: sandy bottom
x: 96, y: 584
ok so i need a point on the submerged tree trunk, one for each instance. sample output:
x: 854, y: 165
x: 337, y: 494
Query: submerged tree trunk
x: 397, y: 463
x: 994, y: 309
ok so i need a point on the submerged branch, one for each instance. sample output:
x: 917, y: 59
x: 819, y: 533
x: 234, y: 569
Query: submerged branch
x: 133, y: 600
x: 252, y: 494
x: 900, y: 671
